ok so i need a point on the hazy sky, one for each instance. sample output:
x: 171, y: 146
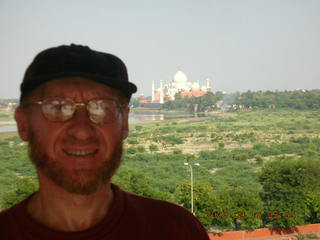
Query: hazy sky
x: 239, y: 44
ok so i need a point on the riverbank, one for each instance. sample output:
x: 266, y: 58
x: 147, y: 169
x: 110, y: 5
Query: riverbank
x: 140, y: 110
x: 8, y: 134
x: 7, y: 123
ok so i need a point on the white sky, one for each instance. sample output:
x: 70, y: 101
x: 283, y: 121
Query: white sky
x: 240, y: 44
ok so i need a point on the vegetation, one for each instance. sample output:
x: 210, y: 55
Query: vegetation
x: 257, y: 168
x: 298, y: 99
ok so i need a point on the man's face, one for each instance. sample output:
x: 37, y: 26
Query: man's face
x: 77, y: 155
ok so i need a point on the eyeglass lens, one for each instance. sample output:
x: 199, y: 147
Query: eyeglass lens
x: 100, y: 110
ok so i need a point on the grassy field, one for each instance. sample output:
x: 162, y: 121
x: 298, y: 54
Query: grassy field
x: 227, y: 130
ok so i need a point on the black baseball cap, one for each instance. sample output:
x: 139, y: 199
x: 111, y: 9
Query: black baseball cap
x: 77, y: 61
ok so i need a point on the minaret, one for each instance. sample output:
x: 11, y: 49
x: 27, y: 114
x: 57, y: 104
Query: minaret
x: 152, y: 99
x: 208, y: 84
x: 161, y: 92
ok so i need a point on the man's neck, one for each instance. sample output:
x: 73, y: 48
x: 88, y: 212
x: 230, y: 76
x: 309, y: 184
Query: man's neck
x: 64, y: 211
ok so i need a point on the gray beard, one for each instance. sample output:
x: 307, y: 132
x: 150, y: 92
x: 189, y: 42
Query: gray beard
x: 59, y: 175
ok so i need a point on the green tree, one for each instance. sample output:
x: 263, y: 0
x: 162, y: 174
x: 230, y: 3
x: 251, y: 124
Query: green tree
x: 203, y: 198
x: 242, y: 208
x: 22, y: 187
x: 291, y: 190
x: 135, y: 182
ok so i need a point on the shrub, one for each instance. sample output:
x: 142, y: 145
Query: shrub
x: 172, y: 139
x: 138, y: 127
x: 177, y: 151
x: 141, y: 149
x: 133, y: 141
x: 131, y: 150
x: 240, y: 156
x: 221, y: 145
x: 259, y: 159
x: 202, y: 135
x: 153, y: 148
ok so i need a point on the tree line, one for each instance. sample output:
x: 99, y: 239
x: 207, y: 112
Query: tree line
x: 298, y: 99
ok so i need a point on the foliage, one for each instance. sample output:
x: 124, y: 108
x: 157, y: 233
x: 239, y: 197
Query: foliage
x: 291, y: 187
x: 153, y: 148
x: 133, y: 141
x: 131, y: 150
x: 139, y: 128
x: 23, y: 186
x: 204, y: 200
x: 169, y: 139
x: 241, y: 208
x: 141, y: 149
x: 297, y: 99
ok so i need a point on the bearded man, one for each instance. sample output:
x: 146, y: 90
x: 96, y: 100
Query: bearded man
x: 73, y: 112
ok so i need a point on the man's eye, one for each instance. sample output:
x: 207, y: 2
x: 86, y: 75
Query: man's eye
x: 65, y: 108
x: 57, y: 107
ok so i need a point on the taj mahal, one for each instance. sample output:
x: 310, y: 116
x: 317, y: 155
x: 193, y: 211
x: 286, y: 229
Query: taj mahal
x: 179, y: 84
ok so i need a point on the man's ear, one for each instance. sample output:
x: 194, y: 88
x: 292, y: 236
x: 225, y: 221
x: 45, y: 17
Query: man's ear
x: 125, y: 129
x: 22, y: 124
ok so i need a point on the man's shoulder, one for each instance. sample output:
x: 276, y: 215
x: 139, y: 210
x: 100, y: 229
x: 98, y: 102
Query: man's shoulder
x: 172, y: 219
x: 7, y: 213
x: 148, y: 202
x: 159, y: 209
x: 14, y: 209
x: 10, y: 218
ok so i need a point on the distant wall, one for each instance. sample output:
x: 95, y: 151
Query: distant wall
x: 266, y: 233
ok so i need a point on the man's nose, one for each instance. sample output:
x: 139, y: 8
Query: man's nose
x: 81, y: 126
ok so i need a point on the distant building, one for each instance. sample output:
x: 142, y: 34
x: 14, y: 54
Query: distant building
x: 181, y: 85
x: 8, y: 107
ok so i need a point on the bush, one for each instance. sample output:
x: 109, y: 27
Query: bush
x: 240, y: 156
x: 153, y: 148
x: 131, y: 150
x: 141, y: 149
x: 221, y: 145
x: 133, y: 141
x: 177, y: 151
x: 172, y: 139
x: 259, y: 159
x: 138, y: 128
x: 202, y: 135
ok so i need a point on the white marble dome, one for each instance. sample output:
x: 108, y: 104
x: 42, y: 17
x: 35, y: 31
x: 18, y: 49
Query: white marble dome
x: 195, y: 86
x: 180, y: 77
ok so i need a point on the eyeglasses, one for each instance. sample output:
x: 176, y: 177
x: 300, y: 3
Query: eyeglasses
x: 101, y: 111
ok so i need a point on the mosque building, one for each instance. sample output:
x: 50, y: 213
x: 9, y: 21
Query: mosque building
x: 179, y: 84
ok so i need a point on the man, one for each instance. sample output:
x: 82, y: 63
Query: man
x: 74, y: 114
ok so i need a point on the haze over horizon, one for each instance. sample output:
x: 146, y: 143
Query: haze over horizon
x: 239, y: 44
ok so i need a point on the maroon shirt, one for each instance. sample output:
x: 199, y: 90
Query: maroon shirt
x: 130, y: 217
